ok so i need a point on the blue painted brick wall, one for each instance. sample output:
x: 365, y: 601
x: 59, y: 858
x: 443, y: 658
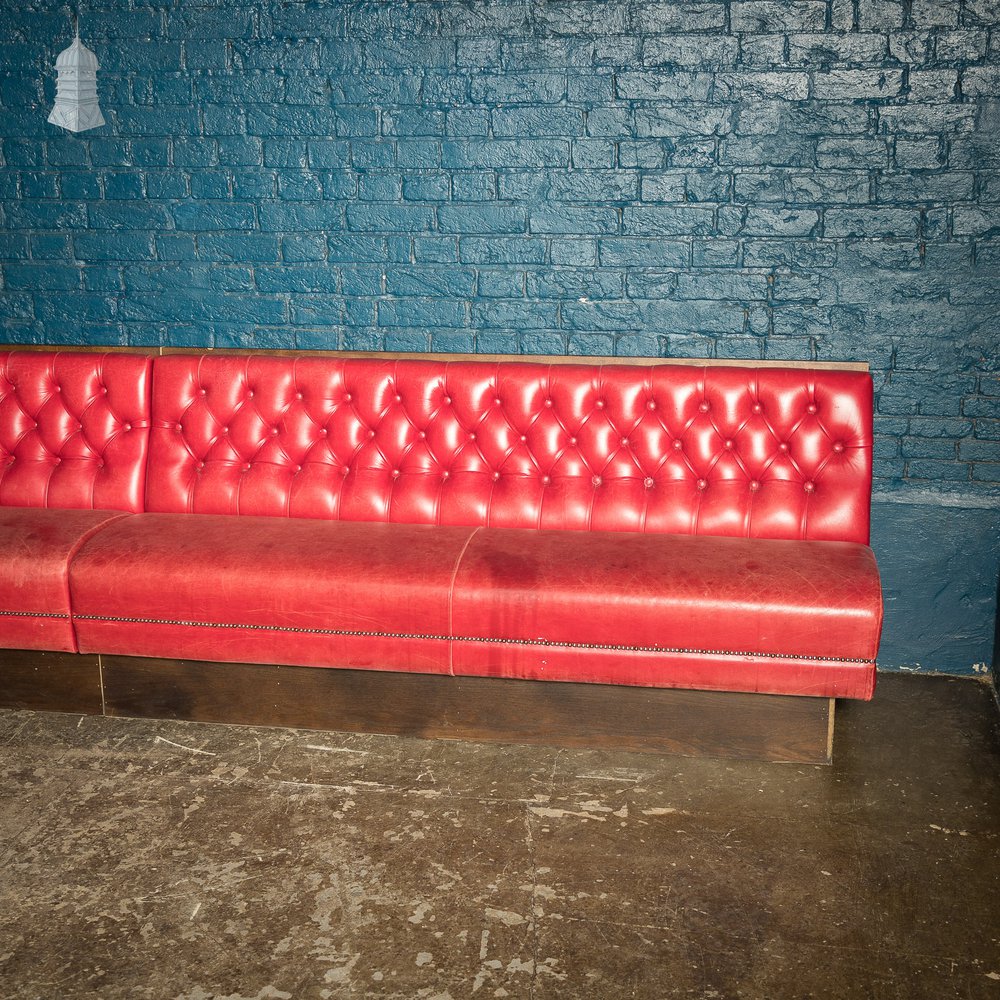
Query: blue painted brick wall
x: 778, y: 179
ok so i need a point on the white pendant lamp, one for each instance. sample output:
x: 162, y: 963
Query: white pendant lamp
x: 76, y: 107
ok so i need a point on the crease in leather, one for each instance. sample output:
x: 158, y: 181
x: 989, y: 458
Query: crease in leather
x: 71, y: 555
x: 451, y: 598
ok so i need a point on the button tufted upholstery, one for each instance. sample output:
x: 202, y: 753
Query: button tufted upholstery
x: 668, y: 526
x: 781, y: 453
x: 74, y: 432
x: 74, y: 429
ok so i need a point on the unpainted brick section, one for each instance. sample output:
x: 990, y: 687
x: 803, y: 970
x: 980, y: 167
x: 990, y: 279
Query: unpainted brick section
x: 777, y: 179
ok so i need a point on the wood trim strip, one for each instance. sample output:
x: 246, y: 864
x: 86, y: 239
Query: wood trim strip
x: 549, y: 359
x: 43, y: 681
x: 547, y: 713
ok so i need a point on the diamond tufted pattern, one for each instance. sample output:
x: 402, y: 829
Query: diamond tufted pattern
x: 776, y: 453
x: 74, y: 429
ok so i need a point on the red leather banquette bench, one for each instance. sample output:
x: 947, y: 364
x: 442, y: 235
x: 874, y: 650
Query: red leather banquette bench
x: 448, y: 533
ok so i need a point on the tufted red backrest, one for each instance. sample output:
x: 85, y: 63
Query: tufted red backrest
x: 759, y: 452
x: 74, y: 429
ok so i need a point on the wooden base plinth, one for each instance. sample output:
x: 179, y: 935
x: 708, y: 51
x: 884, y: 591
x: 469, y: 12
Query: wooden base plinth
x: 598, y: 716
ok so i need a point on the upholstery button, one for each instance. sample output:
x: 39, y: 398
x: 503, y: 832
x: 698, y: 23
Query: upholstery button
x: 395, y: 473
x: 445, y: 474
x: 246, y: 468
x: 447, y: 399
x: 809, y: 487
x: 596, y: 481
x: 600, y: 404
x: 296, y: 469
x: 496, y: 476
x: 346, y: 470
x: 126, y: 427
x: 104, y: 390
x: 298, y: 395
x: 728, y: 444
x: 678, y: 445
x: 422, y: 435
x: 347, y: 397
x: 811, y: 408
x: 651, y: 405
x: 624, y: 442
x: 524, y: 437
x: 472, y: 436
x: 838, y: 446
x: 546, y: 480
x: 783, y: 446
x: 225, y: 430
x: 496, y: 402
x: 274, y: 430
x: 648, y: 482
x: 180, y: 429
x: 399, y: 399
x: 371, y: 434
x: 572, y: 440
x: 548, y: 402
x: 757, y: 408
x: 57, y: 388
x: 703, y: 406
x: 250, y: 394
x: 702, y: 484
x: 754, y: 485
x: 56, y: 460
x: 203, y: 392
x: 201, y: 465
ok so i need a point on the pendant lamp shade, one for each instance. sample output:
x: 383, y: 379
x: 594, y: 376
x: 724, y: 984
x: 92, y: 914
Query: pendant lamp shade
x: 76, y: 106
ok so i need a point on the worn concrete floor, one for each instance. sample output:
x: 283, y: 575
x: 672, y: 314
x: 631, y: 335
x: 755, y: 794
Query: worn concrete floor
x: 170, y: 860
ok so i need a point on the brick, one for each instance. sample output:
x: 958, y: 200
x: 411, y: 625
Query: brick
x: 41, y: 277
x: 684, y: 120
x: 238, y: 247
x: 741, y: 287
x: 300, y: 216
x: 852, y: 153
x: 555, y: 219
x: 825, y: 49
x: 538, y: 122
x: 379, y: 218
x: 481, y: 218
x: 427, y: 187
x: 515, y: 314
x: 692, y: 51
x: 857, y: 84
x: 573, y: 283
x: 777, y: 150
x: 205, y: 216
x: 517, y: 88
x: 954, y: 186
x: 759, y: 16
x: 369, y: 187
x: 661, y: 86
x: 786, y: 85
x: 631, y: 252
x: 479, y: 250
x: 496, y: 283
x: 929, y: 119
x: 668, y: 221
x: 458, y: 282
x: 537, y: 153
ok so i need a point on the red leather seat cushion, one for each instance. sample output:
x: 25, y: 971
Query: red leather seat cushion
x: 785, y: 617
x: 269, y: 590
x: 36, y: 546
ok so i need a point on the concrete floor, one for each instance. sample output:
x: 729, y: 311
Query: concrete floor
x: 171, y: 860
